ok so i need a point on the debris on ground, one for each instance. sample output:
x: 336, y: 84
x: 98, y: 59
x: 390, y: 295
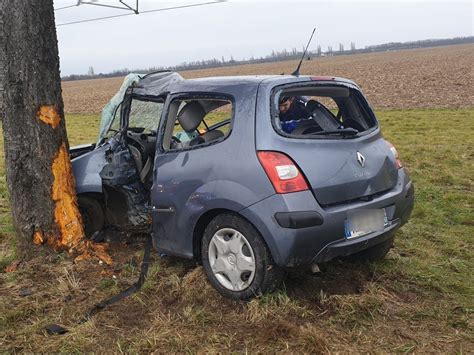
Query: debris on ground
x: 25, y: 292
x: 13, y: 266
x: 55, y: 329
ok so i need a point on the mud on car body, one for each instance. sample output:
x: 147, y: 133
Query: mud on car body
x: 205, y: 166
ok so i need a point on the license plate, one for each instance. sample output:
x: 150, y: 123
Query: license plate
x: 365, y: 221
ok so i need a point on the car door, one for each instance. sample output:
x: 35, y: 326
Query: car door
x: 185, y: 172
x: 129, y: 156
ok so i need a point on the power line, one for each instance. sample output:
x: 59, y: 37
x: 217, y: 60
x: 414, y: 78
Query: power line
x: 93, y: 2
x: 124, y: 7
x: 141, y: 12
x: 65, y: 7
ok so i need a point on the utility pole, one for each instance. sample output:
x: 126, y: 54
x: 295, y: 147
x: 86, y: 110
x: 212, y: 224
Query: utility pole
x: 39, y: 175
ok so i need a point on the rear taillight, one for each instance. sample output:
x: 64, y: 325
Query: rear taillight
x: 282, y: 172
x: 398, y: 162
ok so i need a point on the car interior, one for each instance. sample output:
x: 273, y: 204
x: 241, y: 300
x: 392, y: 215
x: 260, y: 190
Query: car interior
x: 142, y: 126
x: 194, y: 123
x: 190, y: 123
x: 328, y: 109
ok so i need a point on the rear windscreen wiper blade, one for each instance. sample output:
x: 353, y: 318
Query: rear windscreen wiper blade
x: 342, y: 132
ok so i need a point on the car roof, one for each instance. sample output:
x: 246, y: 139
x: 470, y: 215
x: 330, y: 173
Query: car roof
x: 160, y: 82
x: 268, y: 78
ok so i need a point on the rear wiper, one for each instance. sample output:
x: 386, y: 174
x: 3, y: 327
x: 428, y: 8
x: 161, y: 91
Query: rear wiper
x: 343, y: 132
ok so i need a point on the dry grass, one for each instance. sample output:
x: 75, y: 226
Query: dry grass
x: 419, y: 299
x: 430, y: 77
x: 179, y: 311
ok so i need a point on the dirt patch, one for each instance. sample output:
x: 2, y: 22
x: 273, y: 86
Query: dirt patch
x: 429, y: 77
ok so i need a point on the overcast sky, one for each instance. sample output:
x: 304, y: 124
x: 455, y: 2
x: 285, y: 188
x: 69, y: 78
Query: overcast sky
x: 242, y: 28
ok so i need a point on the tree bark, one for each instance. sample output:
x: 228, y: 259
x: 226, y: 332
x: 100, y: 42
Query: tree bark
x: 38, y: 169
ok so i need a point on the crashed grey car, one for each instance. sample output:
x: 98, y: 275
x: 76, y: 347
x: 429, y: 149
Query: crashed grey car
x: 212, y: 169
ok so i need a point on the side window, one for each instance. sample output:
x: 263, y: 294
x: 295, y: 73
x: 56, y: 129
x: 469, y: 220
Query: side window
x: 145, y: 115
x: 194, y: 122
x: 219, y: 116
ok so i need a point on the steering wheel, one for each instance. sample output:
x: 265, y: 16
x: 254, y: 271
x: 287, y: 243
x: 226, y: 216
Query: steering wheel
x: 141, y: 149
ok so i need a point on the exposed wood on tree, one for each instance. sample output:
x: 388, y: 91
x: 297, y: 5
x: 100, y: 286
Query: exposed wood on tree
x: 38, y: 169
x: 66, y: 213
x: 49, y: 115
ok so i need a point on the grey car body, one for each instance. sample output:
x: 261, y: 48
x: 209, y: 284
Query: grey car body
x: 191, y: 186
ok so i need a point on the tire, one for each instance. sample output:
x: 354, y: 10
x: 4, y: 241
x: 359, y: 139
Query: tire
x: 229, y: 247
x: 374, y: 253
x: 92, y: 215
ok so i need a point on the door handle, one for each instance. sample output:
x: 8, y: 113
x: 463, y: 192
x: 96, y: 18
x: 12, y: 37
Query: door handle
x: 162, y: 209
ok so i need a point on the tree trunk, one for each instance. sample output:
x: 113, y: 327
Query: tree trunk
x: 38, y: 169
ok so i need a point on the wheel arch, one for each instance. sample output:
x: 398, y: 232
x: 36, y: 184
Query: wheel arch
x: 203, y: 222
x: 91, y: 208
x: 201, y: 225
x: 98, y: 196
x: 95, y: 195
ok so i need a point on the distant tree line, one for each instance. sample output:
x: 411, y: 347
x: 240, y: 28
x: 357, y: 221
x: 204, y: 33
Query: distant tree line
x: 276, y: 56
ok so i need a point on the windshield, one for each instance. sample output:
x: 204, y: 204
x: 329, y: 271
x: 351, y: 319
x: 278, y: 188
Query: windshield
x: 114, y: 124
x: 145, y: 115
x: 110, y: 113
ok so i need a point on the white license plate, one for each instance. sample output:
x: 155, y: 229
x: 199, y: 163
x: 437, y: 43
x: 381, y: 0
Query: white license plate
x: 364, y: 221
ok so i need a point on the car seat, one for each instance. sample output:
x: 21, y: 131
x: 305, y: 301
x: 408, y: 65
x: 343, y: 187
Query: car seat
x: 321, y: 115
x: 143, y: 168
x: 190, y: 117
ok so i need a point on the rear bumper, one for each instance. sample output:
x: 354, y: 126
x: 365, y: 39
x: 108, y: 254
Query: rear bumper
x: 350, y: 246
x: 299, y: 232
x: 297, y: 220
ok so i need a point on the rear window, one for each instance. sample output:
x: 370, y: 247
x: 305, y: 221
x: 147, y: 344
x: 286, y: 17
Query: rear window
x: 321, y: 111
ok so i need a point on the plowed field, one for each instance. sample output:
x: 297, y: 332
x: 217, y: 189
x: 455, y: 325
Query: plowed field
x: 419, y: 78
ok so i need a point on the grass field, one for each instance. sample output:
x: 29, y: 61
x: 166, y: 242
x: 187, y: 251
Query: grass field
x: 420, y: 299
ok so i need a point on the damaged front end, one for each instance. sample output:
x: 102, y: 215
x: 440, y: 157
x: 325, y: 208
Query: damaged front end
x: 126, y: 199
x: 111, y: 196
x: 114, y: 175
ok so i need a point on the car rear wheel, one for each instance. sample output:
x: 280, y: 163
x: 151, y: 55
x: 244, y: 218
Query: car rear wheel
x: 92, y: 215
x: 236, y: 260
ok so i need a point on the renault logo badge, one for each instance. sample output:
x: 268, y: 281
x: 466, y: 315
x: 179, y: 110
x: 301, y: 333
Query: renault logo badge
x: 361, y: 159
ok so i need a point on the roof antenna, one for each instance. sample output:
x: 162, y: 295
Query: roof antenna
x: 297, y: 71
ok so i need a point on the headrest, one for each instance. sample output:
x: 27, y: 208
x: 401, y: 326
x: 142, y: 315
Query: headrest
x: 312, y: 105
x: 191, y: 116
